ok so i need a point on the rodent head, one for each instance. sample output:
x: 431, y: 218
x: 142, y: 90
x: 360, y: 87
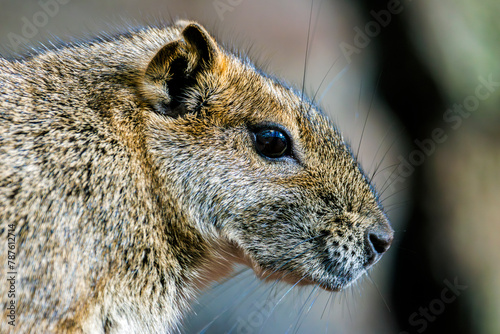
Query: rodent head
x: 255, y: 165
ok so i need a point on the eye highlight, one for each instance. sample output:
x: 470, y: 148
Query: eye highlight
x: 272, y: 143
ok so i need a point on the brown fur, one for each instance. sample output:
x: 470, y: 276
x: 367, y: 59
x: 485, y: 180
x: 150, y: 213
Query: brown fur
x: 128, y: 169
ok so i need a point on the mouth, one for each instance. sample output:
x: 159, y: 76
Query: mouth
x: 313, y: 276
x: 328, y: 281
x: 298, y: 280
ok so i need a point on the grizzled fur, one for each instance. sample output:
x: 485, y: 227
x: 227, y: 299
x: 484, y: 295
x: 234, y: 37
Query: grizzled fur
x: 129, y: 174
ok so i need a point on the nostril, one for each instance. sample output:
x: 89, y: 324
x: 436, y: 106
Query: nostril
x: 378, y: 239
x: 379, y: 242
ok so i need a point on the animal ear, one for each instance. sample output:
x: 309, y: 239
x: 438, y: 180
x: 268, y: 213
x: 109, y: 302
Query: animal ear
x: 176, y: 66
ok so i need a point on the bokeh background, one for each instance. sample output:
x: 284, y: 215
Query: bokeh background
x: 415, y: 85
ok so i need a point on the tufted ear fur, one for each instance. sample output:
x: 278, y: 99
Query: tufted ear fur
x: 175, y: 67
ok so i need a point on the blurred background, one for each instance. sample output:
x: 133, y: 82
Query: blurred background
x: 415, y: 85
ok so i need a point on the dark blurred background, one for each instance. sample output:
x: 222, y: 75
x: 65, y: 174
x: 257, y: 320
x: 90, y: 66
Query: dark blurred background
x: 416, y: 85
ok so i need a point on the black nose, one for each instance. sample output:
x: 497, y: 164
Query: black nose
x: 378, y: 241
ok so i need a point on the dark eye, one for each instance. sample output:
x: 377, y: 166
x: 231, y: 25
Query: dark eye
x: 271, y: 143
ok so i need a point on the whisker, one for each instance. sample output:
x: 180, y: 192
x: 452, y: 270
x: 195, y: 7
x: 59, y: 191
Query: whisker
x: 323, y: 81
x: 238, y: 300
x: 353, y: 298
x: 390, y: 184
x: 227, y: 282
x: 395, y: 193
x: 368, y: 113
x: 346, y: 301
x: 398, y: 136
x: 326, y: 305
x: 386, y: 168
x: 279, y: 301
x: 378, y: 290
x: 401, y: 205
x: 303, y: 314
x: 293, y: 326
x: 389, y: 179
x: 366, y: 118
x: 333, y: 81
x: 307, y: 51
x: 318, y: 11
x: 364, y: 124
x: 271, y: 312
x: 377, y: 151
